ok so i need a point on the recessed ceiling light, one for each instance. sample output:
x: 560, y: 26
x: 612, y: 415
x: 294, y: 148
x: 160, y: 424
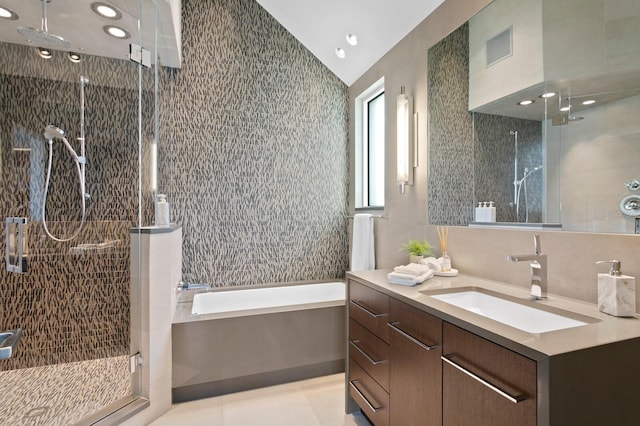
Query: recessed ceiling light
x: 352, y: 39
x: 526, y: 102
x: 45, y: 53
x: 548, y: 95
x: 566, y: 108
x: 106, y: 11
x: 8, y: 14
x: 116, y: 32
x: 589, y: 102
x: 340, y: 53
x: 74, y: 57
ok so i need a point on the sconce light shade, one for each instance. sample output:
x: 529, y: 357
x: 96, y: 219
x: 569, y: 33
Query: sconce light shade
x: 403, y: 141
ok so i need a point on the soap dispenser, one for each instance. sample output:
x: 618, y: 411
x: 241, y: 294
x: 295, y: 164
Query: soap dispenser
x: 616, y: 292
x: 162, y: 210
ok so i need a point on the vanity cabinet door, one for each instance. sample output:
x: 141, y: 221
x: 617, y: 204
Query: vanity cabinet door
x: 415, y: 366
x: 485, y: 383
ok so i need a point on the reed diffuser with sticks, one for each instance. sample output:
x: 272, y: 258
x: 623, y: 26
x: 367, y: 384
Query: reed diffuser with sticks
x: 445, y: 260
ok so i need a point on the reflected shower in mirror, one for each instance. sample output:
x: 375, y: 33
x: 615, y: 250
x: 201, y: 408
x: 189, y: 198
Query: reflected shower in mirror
x: 578, y: 67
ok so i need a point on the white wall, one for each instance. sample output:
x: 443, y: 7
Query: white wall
x: 524, y: 68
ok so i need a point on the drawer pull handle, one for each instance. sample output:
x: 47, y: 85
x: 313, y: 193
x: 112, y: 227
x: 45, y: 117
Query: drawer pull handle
x: 364, y: 354
x: 515, y: 399
x: 372, y: 314
x: 394, y: 327
x: 355, y: 388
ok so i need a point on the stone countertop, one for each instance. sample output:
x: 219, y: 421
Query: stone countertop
x: 602, y: 329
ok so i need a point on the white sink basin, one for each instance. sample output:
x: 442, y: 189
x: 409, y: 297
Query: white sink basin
x: 510, y: 312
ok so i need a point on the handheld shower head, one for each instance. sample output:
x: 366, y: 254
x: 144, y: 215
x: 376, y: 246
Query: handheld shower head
x: 51, y: 132
x: 513, y: 132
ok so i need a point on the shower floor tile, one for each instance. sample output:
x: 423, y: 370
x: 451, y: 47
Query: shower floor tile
x: 313, y: 402
x: 62, y: 394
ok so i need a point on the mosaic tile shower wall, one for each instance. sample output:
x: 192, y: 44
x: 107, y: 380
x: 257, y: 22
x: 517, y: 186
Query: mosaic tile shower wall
x: 450, y: 189
x: 494, y: 165
x: 256, y: 167
x: 73, y: 303
x: 471, y: 154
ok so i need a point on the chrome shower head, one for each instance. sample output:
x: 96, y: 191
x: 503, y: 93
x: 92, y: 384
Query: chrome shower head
x: 513, y: 132
x: 41, y: 37
x: 51, y: 132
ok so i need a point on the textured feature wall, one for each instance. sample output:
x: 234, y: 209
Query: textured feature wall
x: 450, y: 190
x: 72, y: 304
x: 256, y: 168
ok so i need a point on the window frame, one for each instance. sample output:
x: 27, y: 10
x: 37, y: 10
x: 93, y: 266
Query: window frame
x: 362, y: 172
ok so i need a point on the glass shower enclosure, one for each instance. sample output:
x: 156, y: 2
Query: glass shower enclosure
x: 78, y: 124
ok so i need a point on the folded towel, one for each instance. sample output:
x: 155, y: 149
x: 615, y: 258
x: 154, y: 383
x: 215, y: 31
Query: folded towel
x: 408, y: 280
x: 363, y: 256
x: 432, y: 263
x: 412, y: 269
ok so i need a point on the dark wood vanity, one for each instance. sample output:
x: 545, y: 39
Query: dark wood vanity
x: 411, y: 364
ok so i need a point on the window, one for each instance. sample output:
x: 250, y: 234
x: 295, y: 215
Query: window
x: 369, y: 135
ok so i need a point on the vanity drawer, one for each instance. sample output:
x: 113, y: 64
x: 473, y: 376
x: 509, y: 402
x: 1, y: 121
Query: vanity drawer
x: 370, y: 308
x: 372, y: 399
x: 370, y: 352
x: 485, y: 383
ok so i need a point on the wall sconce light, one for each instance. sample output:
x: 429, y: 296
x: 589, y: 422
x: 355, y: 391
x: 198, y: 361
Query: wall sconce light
x: 406, y: 140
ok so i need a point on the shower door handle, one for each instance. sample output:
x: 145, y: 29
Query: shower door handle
x: 16, y: 259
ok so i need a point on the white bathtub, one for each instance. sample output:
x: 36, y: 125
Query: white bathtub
x: 232, y: 340
x: 293, y: 296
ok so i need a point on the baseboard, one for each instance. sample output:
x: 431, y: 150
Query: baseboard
x: 238, y: 384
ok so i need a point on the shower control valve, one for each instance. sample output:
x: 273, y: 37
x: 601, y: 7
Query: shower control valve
x: 633, y: 185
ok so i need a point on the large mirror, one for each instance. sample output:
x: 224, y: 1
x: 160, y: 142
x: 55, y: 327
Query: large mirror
x: 570, y: 158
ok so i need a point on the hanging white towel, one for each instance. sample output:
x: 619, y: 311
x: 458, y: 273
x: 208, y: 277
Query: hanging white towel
x: 363, y: 256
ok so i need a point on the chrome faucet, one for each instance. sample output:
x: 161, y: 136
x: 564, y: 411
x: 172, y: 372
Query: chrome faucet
x: 538, y: 269
x: 192, y: 286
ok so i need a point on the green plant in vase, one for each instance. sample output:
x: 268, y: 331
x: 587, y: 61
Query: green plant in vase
x: 417, y: 250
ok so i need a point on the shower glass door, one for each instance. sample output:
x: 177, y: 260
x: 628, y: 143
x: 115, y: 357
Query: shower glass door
x: 77, y: 124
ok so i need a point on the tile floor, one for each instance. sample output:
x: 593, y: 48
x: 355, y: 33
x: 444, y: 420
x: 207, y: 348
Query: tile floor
x: 62, y: 394
x: 312, y: 402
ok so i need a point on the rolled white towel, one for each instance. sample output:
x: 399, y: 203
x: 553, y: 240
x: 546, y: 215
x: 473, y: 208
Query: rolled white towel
x: 432, y: 263
x: 414, y: 269
x: 408, y: 280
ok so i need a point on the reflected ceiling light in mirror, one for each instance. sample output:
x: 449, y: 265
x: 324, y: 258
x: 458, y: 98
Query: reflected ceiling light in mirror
x: 526, y: 102
x: 548, y: 95
x: 106, y: 11
x: 404, y: 144
x: 352, y: 39
x: 8, y: 14
x: 45, y: 53
x: 589, y: 102
x: 74, y: 57
x: 566, y: 108
x: 340, y: 53
x: 116, y: 32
